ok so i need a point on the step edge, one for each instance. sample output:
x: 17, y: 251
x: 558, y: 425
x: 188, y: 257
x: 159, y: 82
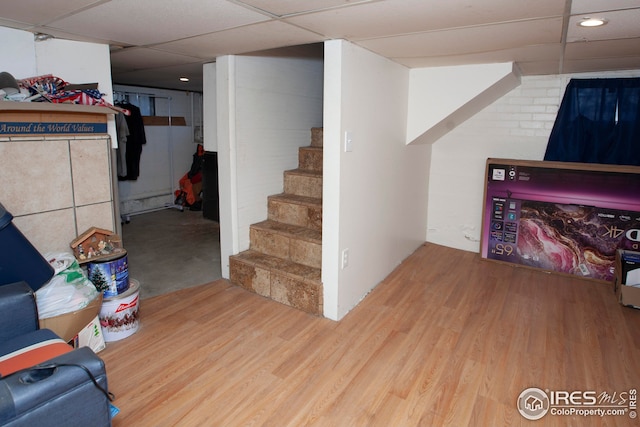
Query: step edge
x: 261, y: 226
x: 296, y: 199
x: 304, y: 172
x: 240, y: 258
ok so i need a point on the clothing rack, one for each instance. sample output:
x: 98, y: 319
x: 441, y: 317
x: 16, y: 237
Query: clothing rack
x: 126, y: 96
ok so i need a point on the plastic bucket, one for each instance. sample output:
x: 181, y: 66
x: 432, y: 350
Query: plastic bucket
x: 19, y: 260
x: 110, y: 275
x: 119, y: 315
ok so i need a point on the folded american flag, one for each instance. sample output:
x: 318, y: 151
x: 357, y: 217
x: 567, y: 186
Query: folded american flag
x: 84, y: 97
x: 52, y: 89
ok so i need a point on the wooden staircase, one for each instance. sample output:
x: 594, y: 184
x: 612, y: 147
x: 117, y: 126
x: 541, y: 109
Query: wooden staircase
x: 284, y: 258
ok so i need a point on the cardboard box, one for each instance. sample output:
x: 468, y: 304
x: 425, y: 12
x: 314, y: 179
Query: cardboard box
x: 68, y: 325
x: 627, y: 275
x: 91, y: 336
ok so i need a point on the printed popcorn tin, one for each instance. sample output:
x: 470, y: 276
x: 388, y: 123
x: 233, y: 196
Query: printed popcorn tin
x: 119, y: 315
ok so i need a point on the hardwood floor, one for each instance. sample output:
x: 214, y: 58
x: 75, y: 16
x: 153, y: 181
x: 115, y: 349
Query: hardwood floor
x: 445, y: 339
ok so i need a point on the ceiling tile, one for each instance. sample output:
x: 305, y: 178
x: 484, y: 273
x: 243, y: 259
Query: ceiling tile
x: 598, y: 65
x: 520, y: 54
x: 609, y: 49
x: 469, y: 40
x: 267, y: 35
x: 588, y: 6
x: 145, y: 58
x: 35, y: 12
x: 290, y: 7
x: 144, y: 22
x: 14, y: 24
x: 396, y: 17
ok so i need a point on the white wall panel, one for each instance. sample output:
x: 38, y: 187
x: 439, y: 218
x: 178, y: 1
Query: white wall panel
x: 377, y: 207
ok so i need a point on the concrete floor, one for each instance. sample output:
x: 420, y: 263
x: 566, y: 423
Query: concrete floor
x: 168, y: 250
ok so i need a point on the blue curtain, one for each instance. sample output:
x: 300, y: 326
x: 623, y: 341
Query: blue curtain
x: 598, y: 122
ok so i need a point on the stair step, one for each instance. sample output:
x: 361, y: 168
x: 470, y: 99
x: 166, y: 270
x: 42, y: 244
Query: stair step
x: 317, y: 137
x: 302, y: 182
x: 296, y: 210
x: 286, y: 282
x: 284, y: 260
x: 310, y: 158
x: 290, y: 242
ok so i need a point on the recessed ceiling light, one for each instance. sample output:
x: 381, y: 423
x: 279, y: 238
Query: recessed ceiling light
x: 592, y: 22
x: 184, y: 79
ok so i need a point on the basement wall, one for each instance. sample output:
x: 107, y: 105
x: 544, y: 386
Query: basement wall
x: 374, y: 197
x: 516, y: 126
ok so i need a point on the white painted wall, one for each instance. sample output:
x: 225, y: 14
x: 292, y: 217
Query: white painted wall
x: 209, y: 107
x: 436, y: 93
x: 517, y: 126
x: 92, y: 65
x: 225, y: 79
x: 168, y: 153
x: 266, y: 109
x: 374, y: 199
x: 18, y: 53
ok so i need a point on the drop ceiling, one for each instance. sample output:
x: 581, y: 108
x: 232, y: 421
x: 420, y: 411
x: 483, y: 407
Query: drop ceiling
x: 154, y: 42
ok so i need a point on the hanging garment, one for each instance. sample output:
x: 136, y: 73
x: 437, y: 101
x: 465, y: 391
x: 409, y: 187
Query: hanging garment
x: 136, y: 139
x: 122, y: 132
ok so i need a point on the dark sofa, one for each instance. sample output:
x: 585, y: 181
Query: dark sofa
x: 67, y: 390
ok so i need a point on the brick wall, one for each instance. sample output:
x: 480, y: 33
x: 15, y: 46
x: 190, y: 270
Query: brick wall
x: 517, y: 126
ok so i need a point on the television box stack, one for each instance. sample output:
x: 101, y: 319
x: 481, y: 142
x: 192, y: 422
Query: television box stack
x: 627, y: 281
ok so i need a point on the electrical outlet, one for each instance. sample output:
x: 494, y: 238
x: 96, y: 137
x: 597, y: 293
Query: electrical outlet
x: 345, y: 258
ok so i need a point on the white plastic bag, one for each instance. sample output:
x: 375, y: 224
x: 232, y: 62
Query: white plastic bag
x: 68, y: 290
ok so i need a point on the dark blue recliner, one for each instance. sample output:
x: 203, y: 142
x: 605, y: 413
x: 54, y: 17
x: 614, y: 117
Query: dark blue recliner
x: 67, y: 390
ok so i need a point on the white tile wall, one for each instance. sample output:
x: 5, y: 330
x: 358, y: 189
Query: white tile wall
x: 35, y: 176
x: 94, y: 215
x: 90, y: 167
x: 57, y: 187
x: 48, y: 231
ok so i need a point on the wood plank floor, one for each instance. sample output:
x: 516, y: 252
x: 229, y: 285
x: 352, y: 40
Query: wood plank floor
x: 445, y: 339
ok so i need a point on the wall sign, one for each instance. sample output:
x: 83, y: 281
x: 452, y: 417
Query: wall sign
x: 40, y: 128
x: 562, y: 217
